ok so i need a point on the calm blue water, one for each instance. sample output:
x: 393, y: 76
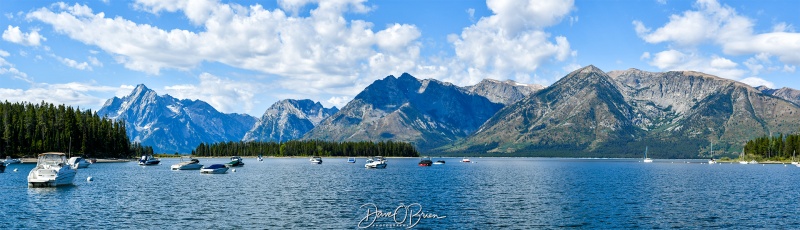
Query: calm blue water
x: 492, y: 193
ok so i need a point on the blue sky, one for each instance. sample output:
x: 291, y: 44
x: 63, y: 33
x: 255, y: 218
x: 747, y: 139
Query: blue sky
x: 242, y: 56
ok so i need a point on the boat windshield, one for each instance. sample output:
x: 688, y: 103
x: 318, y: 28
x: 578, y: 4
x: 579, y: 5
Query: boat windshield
x: 51, y: 159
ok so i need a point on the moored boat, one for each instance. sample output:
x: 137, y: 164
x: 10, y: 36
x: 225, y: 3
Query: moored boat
x: 149, y: 160
x: 647, y: 159
x: 192, y: 164
x: 351, y: 160
x: 316, y: 160
x: 439, y: 162
x: 377, y: 162
x: 78, y: 162
x: 260, y: 158
x: 236, y: 161
x: 425, y: 161
x: 214, y: 169
x: 51, y: 170
x: 465, y: 160
x: 9, y: 161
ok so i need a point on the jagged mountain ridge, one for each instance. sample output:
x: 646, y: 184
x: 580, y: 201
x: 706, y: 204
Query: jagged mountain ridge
x: 785, y: 93
x: 504, y: 92
x: 678, y: 111
x: 288, y: 119
x: 171, y: 125
x: 427, y: 113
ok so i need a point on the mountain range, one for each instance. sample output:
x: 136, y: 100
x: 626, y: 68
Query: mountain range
x: 586, y: 113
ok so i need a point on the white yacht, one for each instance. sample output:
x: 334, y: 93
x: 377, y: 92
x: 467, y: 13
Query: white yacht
x: 377, y: 162
x: 647, y: 159
x: 712, y: 161
x: 78, y: 162
x: 9, y: 161
x: 741, y: 158
x: 465, y: 160
x: 51, y: 170
x: 192, y: 164
x: 316, y: 160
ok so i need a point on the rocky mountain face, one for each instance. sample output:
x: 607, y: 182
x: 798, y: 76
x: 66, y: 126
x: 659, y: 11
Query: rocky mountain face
x: 788, y: 94
x: 427, y: 113
x: 288, y: 119
x: 676, y: 114
x: 171, y: 125
x: 503, y: 92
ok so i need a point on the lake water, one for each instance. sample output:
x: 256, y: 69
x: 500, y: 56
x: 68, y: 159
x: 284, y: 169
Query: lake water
x: 493, y: 193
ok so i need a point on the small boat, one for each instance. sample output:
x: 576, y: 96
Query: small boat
x: 316, y: 160
x: 351, y: 160
x: 377, y: 162
x: 753, y: 162
x: 260, y: 158
x: 78, y: 162
x: 149, y: 160
x: 235, y: 162
x: 439, y: 162
x: 214, y: 169
x: 741, y: 158
x: 465, y: 160
x: 51, y: 170
x: 192, y: 164
x: 426, y: 161
x: 647, y: 159
x: 92, y: 160
x: 9, y: 161
x: 712, y: 161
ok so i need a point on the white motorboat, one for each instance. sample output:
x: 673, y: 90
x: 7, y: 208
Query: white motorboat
x: 214, y: 169
x: 260, y: 158
x: 78, y: 162
x: 192, y: 164
x: 149, y: 160
x: 439, y: 162
x: 465, y: 160
x: 377, y: 162
x: 647, y: 159
x: 316, y: 160
x: 51, y: 170
x: 9, y: 161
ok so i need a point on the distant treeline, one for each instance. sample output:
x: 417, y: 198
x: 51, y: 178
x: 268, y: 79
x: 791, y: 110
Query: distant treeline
x: 28, y: 129
x: 307, y: 148
x: 774, y: 147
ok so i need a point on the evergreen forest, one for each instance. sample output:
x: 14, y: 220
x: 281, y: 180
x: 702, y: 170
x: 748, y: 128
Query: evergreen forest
x: 28, y: 129
x: 306, y: 148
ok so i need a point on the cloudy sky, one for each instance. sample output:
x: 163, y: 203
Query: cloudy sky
x: 242, y: 56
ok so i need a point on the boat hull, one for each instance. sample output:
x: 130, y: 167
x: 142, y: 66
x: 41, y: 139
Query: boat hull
x: 149, y: 163
x: 376, y: 166
x: 51, y: 177
x: 214, y: 171
x: 187, y: 167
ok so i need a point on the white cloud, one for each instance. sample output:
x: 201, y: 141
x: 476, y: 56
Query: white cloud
x: 788, y: 68
x: 512, y: 41
x: 719, y: 24
x: 72, y: 63
x: 323, y: 47
x: 74, y: 94
x: 225, y: 95
x: 674, y: 60
x: 755, y: 81
x: 15, y: 35
x: 339, y: 102
x: 94, y: 61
